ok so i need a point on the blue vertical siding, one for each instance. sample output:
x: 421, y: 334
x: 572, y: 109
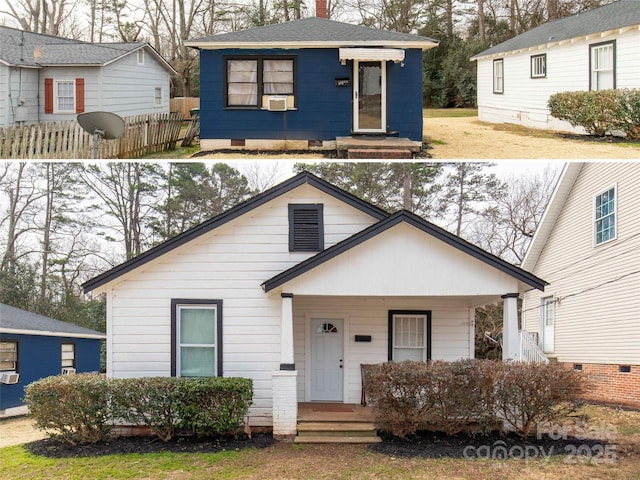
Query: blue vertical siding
x: 39, y: 357
x: 323, y: 109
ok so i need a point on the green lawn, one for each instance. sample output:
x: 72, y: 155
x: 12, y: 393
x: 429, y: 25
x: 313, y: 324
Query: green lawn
x: 449, y: 112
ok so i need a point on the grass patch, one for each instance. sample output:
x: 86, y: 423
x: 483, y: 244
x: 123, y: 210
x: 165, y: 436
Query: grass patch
x: 178, y: 152
x: 449, y: 112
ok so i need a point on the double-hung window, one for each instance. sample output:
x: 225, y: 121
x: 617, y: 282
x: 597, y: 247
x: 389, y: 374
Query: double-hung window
x: 249, y: 79
x: 605, y: 216
x: 603, y: 66
x: 409, y: 335
x: 539, y: 66
x: 8, y: 356
x: 68, y: 355
x: 65, y: 96
x: 196, y: 338
x: 498, y: 76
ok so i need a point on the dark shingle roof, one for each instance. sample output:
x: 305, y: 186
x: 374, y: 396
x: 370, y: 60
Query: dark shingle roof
x: 313, y: 29
x: 12, y: 318
x: 30, y: 49
x: 623, y: 13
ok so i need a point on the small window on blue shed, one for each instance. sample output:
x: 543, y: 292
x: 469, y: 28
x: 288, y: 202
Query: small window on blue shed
x: 8, y: 356
x: 306, y: 229
x: 68, y: 355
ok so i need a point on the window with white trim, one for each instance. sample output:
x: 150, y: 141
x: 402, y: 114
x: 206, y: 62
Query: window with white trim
x: 548, y: 311
x: 249, y: 78
x: 158, y: 97
x: 602, y: 64
x: 539, y: 66
x: 605, y: 216
x: 409, y: 335
x: 197, y: 338
x: 498, y: 76
x: 65, y: 96
x: 141, y: 57
x: 68, y: 355
x: 8, y: 356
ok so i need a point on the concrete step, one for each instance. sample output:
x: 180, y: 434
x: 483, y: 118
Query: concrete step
x: 336, y: 426
x: 331, y: 439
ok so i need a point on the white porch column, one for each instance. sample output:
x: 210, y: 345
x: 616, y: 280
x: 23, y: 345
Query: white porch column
x: 284, y: 381
x: 510, y: 342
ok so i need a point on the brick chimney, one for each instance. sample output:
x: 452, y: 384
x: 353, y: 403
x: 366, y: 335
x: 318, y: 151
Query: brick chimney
x: 321, y: 8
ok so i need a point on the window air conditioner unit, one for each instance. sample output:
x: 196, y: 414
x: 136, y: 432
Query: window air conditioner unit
x: 68, y: 371
x: 9, y: 377
x: 277, y: 103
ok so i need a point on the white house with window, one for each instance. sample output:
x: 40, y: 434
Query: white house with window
x: 588, y: 248
x: 45, y: 78
x: 594, y: 50
x: 296, y: 289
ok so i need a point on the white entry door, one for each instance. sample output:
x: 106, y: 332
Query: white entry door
x: 326, y: 359
x: 369, y: 96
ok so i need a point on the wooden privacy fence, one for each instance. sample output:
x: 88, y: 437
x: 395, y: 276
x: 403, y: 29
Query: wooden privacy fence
x: 184, y: 105
x: 144, y: 134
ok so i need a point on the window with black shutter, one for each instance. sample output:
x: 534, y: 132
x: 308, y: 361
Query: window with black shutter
x: 306, y: 231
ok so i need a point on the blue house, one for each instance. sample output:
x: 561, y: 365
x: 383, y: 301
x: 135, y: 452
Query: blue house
x: 302, y: 84
x: 33, y: 346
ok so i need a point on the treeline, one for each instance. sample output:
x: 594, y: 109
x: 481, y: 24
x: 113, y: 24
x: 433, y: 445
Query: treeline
x: 463, y: 28
x: 64, y: 223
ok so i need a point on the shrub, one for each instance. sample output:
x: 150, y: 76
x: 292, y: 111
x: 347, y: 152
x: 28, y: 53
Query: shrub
x: 71, y: 407
x: 210, y: 406
x: 469, y: 395
x: 146, y: 401
x: 529, y: 393
x: 599, y: 112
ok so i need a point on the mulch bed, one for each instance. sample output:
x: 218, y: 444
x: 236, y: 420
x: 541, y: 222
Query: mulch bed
x: 440, y: 445
x: 50, y: 447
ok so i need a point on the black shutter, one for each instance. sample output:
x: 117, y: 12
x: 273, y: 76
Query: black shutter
x: 306, y: 232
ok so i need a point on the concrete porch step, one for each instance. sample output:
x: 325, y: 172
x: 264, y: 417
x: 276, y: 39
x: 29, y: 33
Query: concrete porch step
x: 351, y: 426
x: 348, y: 431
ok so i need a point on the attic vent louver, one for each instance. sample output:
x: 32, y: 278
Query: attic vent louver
x: 306, y: 230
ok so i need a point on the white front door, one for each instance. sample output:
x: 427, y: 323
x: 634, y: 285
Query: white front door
x: 369, y: 96
x: 326, y: 359
x: 548, y: 325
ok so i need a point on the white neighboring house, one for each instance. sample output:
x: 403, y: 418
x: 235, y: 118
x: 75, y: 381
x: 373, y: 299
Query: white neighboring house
x: 295, y: 289
x: 588, y: 248
x: 45, y: 78
x: 593, y: 50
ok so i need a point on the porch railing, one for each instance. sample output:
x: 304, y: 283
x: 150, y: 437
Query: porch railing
x: 529, y: 349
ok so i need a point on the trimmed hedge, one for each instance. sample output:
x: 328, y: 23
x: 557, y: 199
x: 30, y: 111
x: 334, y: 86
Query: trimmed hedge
x: 599, y: 112
x: 82, y: 408
x: 470, y: 395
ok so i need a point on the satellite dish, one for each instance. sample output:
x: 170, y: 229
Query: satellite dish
x: 105, y: 125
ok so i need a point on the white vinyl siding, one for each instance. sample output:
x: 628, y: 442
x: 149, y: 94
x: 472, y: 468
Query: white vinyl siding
x: 524, y: 101
x: 229, y: 263
x: 604, y: 224
x: 596, y: 316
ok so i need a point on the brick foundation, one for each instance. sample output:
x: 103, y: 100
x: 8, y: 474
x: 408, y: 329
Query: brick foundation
x: 379, y: 153
x: 607, y: 384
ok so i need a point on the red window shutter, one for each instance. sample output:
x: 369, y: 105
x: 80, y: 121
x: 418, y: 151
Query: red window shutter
x: 48, y: 95
x: 79, y: 95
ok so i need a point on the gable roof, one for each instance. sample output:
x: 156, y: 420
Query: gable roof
x: 552, y: 212
x: 621, y: 14
x: 419, y: 223
x: 28, y: 49
x: 229, y: 215
x: 312, y: 32
x: 18, y: 321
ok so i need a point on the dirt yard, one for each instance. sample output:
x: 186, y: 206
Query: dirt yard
x: 14, y: 431
x: 468, y: 138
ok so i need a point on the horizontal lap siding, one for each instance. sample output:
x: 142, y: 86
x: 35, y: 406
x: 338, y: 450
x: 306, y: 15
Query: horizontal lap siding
x: 230, y: 264
x: 524, y: 100
x: 600, y: 325
x: 369, y: 316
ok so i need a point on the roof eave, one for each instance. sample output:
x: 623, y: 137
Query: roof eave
x: 48, y: 333
x: 204, y: 45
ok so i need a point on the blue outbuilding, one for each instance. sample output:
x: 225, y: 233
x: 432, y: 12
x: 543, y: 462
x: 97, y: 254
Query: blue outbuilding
x: 33, y: 346
x: 303, y: 84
